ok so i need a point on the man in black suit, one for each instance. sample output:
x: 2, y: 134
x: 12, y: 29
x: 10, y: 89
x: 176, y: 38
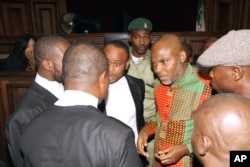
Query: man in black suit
x: 125, y: 96
x: 45, y: 90
x: 126, y: 93
x: 73, y: 132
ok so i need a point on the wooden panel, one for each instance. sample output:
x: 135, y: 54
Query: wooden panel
x: 14, y: 93
x: 225, y: 15
x: 246, y: 14
x: 46, y: 15
x: 31, y: 16
x: 45, y: 19
x: 1, y: 21
x: 16, y: 18
x: 6, y: 45
x: 12, y: 87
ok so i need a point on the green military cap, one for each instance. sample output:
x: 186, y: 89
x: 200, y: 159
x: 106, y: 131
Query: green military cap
x: 140, y: 24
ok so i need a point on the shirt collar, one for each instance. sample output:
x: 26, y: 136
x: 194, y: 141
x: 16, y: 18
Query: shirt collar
x: 74, y: 97
x: 138, y: 60
x: 122, y: 80
x: 53, y: 87
x: 185, y: 78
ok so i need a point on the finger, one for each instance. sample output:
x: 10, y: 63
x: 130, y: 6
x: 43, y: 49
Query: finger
x: 165, y: 151
x: 158, y: 156
x: 140, y: 147
x: 141, y: 150
x: 144, y: 153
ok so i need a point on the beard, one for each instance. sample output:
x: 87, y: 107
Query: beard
x: 178, y: 74
x: 58, y: 76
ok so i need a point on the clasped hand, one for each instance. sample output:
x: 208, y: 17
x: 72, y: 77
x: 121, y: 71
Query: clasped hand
x: 168, y: 156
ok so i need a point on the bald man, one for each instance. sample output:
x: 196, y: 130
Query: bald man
x: 226, y: 129
x: 73, y: 132
x: 181, y: 91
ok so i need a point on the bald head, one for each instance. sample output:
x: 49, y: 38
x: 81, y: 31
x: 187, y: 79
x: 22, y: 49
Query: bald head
x: 170, y: 41
x: 221, y: 124
x: 47, y: 47
x: 84, y: 61
x: 49, y: 52
x: 85, y: 68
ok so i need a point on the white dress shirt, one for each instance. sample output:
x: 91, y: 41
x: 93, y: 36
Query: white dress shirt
x: 74, y: 97
x: 120, y: 104
x: 53, y: 87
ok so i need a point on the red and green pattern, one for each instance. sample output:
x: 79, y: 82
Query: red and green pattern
x: 175, y: 107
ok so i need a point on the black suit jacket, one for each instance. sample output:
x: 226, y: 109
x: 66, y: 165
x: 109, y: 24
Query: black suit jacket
x: 35, y: 100
x: 137, y: 89
x: 77, y: 136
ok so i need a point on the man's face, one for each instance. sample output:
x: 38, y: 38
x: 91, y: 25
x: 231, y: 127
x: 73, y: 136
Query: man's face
x: 118, y: 62
x: 166, y: 64
x: 57, y: 62
x: 221, y: 79
x: 140, y: 41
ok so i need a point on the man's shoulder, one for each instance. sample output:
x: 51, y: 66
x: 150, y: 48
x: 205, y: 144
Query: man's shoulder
x: 84, y: 117
x: 94, y: 117
x: 135, y: 83
x: 115, y: 128
x: 132, y: 78
x: 36, y: 88
x: 31, y: 103
x: 35, y: 95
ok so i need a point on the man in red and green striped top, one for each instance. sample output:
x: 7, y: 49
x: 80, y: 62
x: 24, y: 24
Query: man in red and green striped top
x: 180, y: 93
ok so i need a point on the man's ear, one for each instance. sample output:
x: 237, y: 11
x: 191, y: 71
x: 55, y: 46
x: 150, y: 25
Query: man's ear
x: 127, y: 64
x: 103, y: 79
x: 103, y: 85
x: 203, y: 145
x: 47, y: 65
x: 182, y: 56
x: 237, y: 72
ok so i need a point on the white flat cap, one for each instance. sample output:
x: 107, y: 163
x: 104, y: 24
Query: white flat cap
x: 230, y: 50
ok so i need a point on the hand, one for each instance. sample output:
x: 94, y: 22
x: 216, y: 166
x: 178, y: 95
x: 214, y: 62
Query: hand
x: 172, y: 154
x: 142, y: 143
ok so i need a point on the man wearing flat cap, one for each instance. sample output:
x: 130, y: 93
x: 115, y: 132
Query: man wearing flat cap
x: 140, y: 66
x: 228, y: 63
